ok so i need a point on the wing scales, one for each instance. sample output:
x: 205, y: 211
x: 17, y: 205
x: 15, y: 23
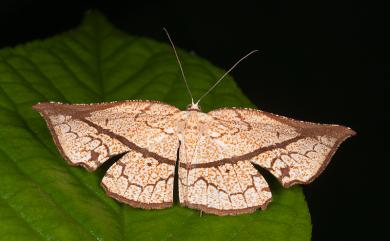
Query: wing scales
x: 293, y: 151
x: 140, y: 181
x: 224, y: 190
x: 216, y: 174
x: 81, y: 144
x: 219, y: 177
x: 88, y: 135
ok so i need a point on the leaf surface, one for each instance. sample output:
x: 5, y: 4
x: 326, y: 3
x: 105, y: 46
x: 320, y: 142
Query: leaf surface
x: 42, y: 198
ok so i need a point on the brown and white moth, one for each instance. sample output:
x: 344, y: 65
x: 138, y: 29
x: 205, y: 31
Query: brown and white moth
x: 217, y: 151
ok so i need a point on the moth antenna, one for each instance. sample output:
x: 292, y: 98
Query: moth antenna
x: 224, y: 75
x: 180, y: 66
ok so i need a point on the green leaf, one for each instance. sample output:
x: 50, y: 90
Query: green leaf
x: 42, y: 198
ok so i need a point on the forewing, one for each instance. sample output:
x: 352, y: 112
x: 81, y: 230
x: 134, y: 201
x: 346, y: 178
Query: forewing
x: 88, y: 135
x: 294, y: 151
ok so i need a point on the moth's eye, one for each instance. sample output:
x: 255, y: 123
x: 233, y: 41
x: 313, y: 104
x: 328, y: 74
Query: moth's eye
x: 193, y: 107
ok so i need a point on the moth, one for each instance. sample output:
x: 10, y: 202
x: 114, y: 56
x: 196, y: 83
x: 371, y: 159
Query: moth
x: 212, y: 153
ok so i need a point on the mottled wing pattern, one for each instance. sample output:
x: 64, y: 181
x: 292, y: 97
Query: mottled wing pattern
x: 88, y: 135
x: 216, y: 171
x: 294, y: 151
x: 217, y: 151
x: 223, y: 189
x: 140, y: 181
x: 208, y: 180
x: 80, y: 143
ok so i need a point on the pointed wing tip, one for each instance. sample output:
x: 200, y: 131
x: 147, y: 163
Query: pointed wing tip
x: 351, y: 132
x: 342, y: 132
x: 40, y: 106
x: 346, y: 133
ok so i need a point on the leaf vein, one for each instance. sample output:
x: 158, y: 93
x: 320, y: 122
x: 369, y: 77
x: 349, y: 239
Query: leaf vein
x: 48, y: 196
x: 17, y: 214
x: 35, y: 136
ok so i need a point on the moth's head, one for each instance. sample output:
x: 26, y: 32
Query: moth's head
x: 193, y: 107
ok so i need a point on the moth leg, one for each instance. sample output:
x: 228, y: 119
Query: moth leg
x: 227, y: 189
x: 142, y: 182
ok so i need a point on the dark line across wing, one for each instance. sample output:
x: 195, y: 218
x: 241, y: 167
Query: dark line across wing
x: 128, y: 143
x: 161, y: 159
x: 249, y: 155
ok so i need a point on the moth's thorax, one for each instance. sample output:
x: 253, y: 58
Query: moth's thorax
x: 192, y: 126
x: 192, y: 123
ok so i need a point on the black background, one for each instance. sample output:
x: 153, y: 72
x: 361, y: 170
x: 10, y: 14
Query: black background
x: 323, y: 62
